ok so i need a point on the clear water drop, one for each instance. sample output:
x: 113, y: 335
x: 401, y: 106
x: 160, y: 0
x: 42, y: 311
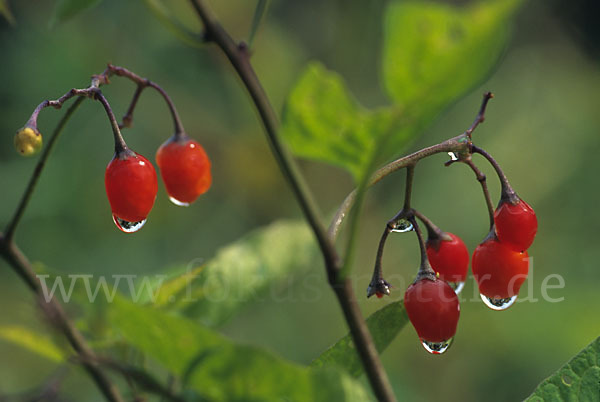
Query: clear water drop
x: 436, y: 348
x: 179, y: 203
x: 126, y: 226
x: 403, y: 226
x: 498, y: 304
x: 453, y: 156
x: 457, y: 286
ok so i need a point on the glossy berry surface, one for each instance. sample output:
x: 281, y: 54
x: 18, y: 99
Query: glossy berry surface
x: 185, y: 169
x: 450, y: 259
x: 499, y: 270
x: 433, y: 309
x: 516, y: 225
x: 131, y: 186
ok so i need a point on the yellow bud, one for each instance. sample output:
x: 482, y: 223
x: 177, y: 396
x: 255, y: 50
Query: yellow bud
x: 28, y: 141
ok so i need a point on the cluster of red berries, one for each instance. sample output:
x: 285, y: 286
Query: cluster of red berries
x: 500, y: 266
x: 131, y: 182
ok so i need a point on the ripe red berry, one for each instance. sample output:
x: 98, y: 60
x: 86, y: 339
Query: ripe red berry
x: 499, y: 270
x: 449, y: 258
x: 433, y: 310
x: 131, y: 187
x: 185, y: 169
x: 516, y: 224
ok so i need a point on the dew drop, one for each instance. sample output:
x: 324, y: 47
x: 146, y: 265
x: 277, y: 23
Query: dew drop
x: 179, y: 203
x: 457, y: 286
x: 126, y: 226
x: 403, y: 226
x: 436, y: 348
x: 498, y: 304
x: 453, y: 156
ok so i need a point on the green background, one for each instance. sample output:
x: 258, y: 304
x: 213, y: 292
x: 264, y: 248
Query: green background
x: 542, y: 127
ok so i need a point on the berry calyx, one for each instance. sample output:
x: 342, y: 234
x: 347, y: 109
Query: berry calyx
x: 185, y: 169
x: 498, y: 269
x: 433, y: 309
x: 516, y: 224
x: 131, y: 187
x: 28, y: 141
x: 448, y: 257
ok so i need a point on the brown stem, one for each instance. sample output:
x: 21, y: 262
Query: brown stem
x: 239, y: 58
x: 481, y: 178
x: 425, y: 268
x: 507, y: 192
x: 10, y: 229
x: 410, y: 172
x: 142, y: 83
x: 57, y: 316
x: 481, y: 115
x: 120, y: 145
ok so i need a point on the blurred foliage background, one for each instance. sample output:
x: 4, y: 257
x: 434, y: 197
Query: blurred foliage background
x: 542, y: 127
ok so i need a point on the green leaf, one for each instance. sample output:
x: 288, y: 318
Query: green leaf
x: 435, y: 52
x: 241, y: 273
x: 5, y: 11
x: 219, y: 369
x: 322, y: 121
x: 576, y: 381
x: 66, y: 9
x: 32, y: 341
x: 384, y: 325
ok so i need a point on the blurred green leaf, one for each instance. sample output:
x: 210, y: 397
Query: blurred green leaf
x: 66, y: 9
x: 219, y: 369
x: 5, y: 11
x: 576, y: 381
x: 384, y: 325
x: 32, y: 341
x: 323, y: 121
x: 259, y: 12
x: 241, y: 272
x: 164, y: 15
x: 435, y: 52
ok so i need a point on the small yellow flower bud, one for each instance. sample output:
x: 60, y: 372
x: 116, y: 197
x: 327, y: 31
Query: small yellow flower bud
x: 28, y: 141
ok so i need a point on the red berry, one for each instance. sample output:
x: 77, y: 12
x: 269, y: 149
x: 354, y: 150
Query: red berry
x: 499, y: 270
x: 185, y: 169
x: 433, y: 309
x: 449, y: 258
x: 516, y: 224
x: 131, y: 186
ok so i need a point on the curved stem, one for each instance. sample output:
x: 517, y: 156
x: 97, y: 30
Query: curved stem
x: 433, y: 232
x: 457, y: 144
x: 508, y: 194
x: 425, y: 267
x: 238, y: 56
x: 481, y: 178
x: 120, y: 145
x: 142, y: 84
x: 11, y: 227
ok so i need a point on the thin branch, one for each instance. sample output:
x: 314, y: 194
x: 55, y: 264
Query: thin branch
x: 142, y: 83
x: 425, y: 267
x: 457, y: 144
x: 10, y: 229
x: 239, y: 59
x: 378, y: 285
x: 410, y: 172
x: 486, y: 192
x: 56, y: 314
x: 508, y: 194
x: 481, y: 115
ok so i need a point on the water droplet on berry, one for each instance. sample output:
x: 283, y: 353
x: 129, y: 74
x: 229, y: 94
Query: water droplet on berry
x: 436, y: 348
x: 453, y: 156
x: 403, y: 226
x: 498, y: 304
x: 179, y: 203
x: 126, y: 226
x: 457, y: 286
